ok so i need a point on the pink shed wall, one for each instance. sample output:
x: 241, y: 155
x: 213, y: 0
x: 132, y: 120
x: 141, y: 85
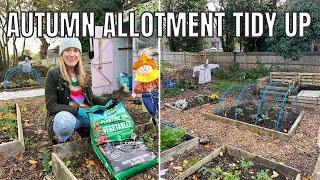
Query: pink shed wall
x: 103, y: 57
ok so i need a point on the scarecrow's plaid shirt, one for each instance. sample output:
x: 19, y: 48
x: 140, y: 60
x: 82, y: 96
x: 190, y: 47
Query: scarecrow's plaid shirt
x: 141, y: 87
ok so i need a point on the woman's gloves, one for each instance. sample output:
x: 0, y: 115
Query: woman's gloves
x: 83, y: 113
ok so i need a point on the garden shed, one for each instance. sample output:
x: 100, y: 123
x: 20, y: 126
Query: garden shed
x: 111, y: 56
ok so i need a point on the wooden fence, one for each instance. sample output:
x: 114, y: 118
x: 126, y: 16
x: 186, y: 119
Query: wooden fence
x: 309, y: 63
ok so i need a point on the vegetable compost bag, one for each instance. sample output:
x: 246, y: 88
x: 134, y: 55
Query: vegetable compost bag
x: 110, y: 132
x: 110, y: 125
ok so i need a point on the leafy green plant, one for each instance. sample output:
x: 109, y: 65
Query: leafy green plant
x: 219, y: 86
x: 27, y: 141
x: 12, y: 84
x: 166, y: 67
x: 265, y: 117
x: 275, y: 107
x: 252, y: 116
x: 199, y: 98
x: 8, y: 123
x: 8, y: 127
x: 232, y: 166
x: 148, y: 140
x: 217, y: 173
x: 45, y: 159
x: 239, y: 111
x: 214, y: 172
x: 234, y: 72
x: 170, y: 137
x: 231, y: 176
x: 140, y: 8
x: 246, y: 165
x: 174, y: 91
x: 194, y: 161
x: 261, y: 175
x: 30, y: 82
x: 69, y: 164
x: 5, y: 109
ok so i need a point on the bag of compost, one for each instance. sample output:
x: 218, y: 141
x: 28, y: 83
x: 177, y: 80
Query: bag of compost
x: 127, y: 154
x: 110, y: 125
x: 110, y: 132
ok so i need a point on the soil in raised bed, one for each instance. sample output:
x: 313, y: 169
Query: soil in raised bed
x: 224, y: 163
x: 88, y: 166
x: 249, y: 110
x: 175, y: 166
x: 8, y: 124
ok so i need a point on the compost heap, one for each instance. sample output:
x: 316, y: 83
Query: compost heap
x: 111, y: 131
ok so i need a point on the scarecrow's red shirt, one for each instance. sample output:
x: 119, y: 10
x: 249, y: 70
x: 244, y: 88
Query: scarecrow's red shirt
x: 141, y: 87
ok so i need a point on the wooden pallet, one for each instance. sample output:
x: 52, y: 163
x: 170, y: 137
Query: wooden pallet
x: 305, y: 101
x: 284, y: 77
x: 309, y: 78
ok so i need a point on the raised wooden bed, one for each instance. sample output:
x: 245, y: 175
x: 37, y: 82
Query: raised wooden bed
x: 74, y: 148
x: 283, y: 169
x: 22, y: 88
x: 64, y: 150
x: 13, y: 148
x: 166, y: 155
x: 257, y: 129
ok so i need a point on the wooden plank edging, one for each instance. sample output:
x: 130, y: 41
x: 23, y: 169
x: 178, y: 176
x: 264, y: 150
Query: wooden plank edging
x: 257, y: 129
x: 165, y: 156
x: 59, y: 170
x: 19, y: 124
x: 13, y: 148
x: 284, y: 169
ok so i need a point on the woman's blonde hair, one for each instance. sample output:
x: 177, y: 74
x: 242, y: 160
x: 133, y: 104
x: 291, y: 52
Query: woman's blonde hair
x: 79, y: 71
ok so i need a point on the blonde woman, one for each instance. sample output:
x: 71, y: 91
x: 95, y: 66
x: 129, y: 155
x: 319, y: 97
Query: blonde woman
x: 68, y: 94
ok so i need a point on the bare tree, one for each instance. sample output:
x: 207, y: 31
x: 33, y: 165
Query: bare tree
x: 7, y: 6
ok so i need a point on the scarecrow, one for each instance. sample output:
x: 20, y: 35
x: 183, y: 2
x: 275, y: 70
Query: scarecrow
x: 146, y: 84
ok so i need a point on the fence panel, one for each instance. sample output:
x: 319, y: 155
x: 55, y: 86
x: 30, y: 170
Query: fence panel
x: 309, y: 63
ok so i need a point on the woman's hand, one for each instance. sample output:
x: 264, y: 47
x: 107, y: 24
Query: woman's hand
x: 84, y: 112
